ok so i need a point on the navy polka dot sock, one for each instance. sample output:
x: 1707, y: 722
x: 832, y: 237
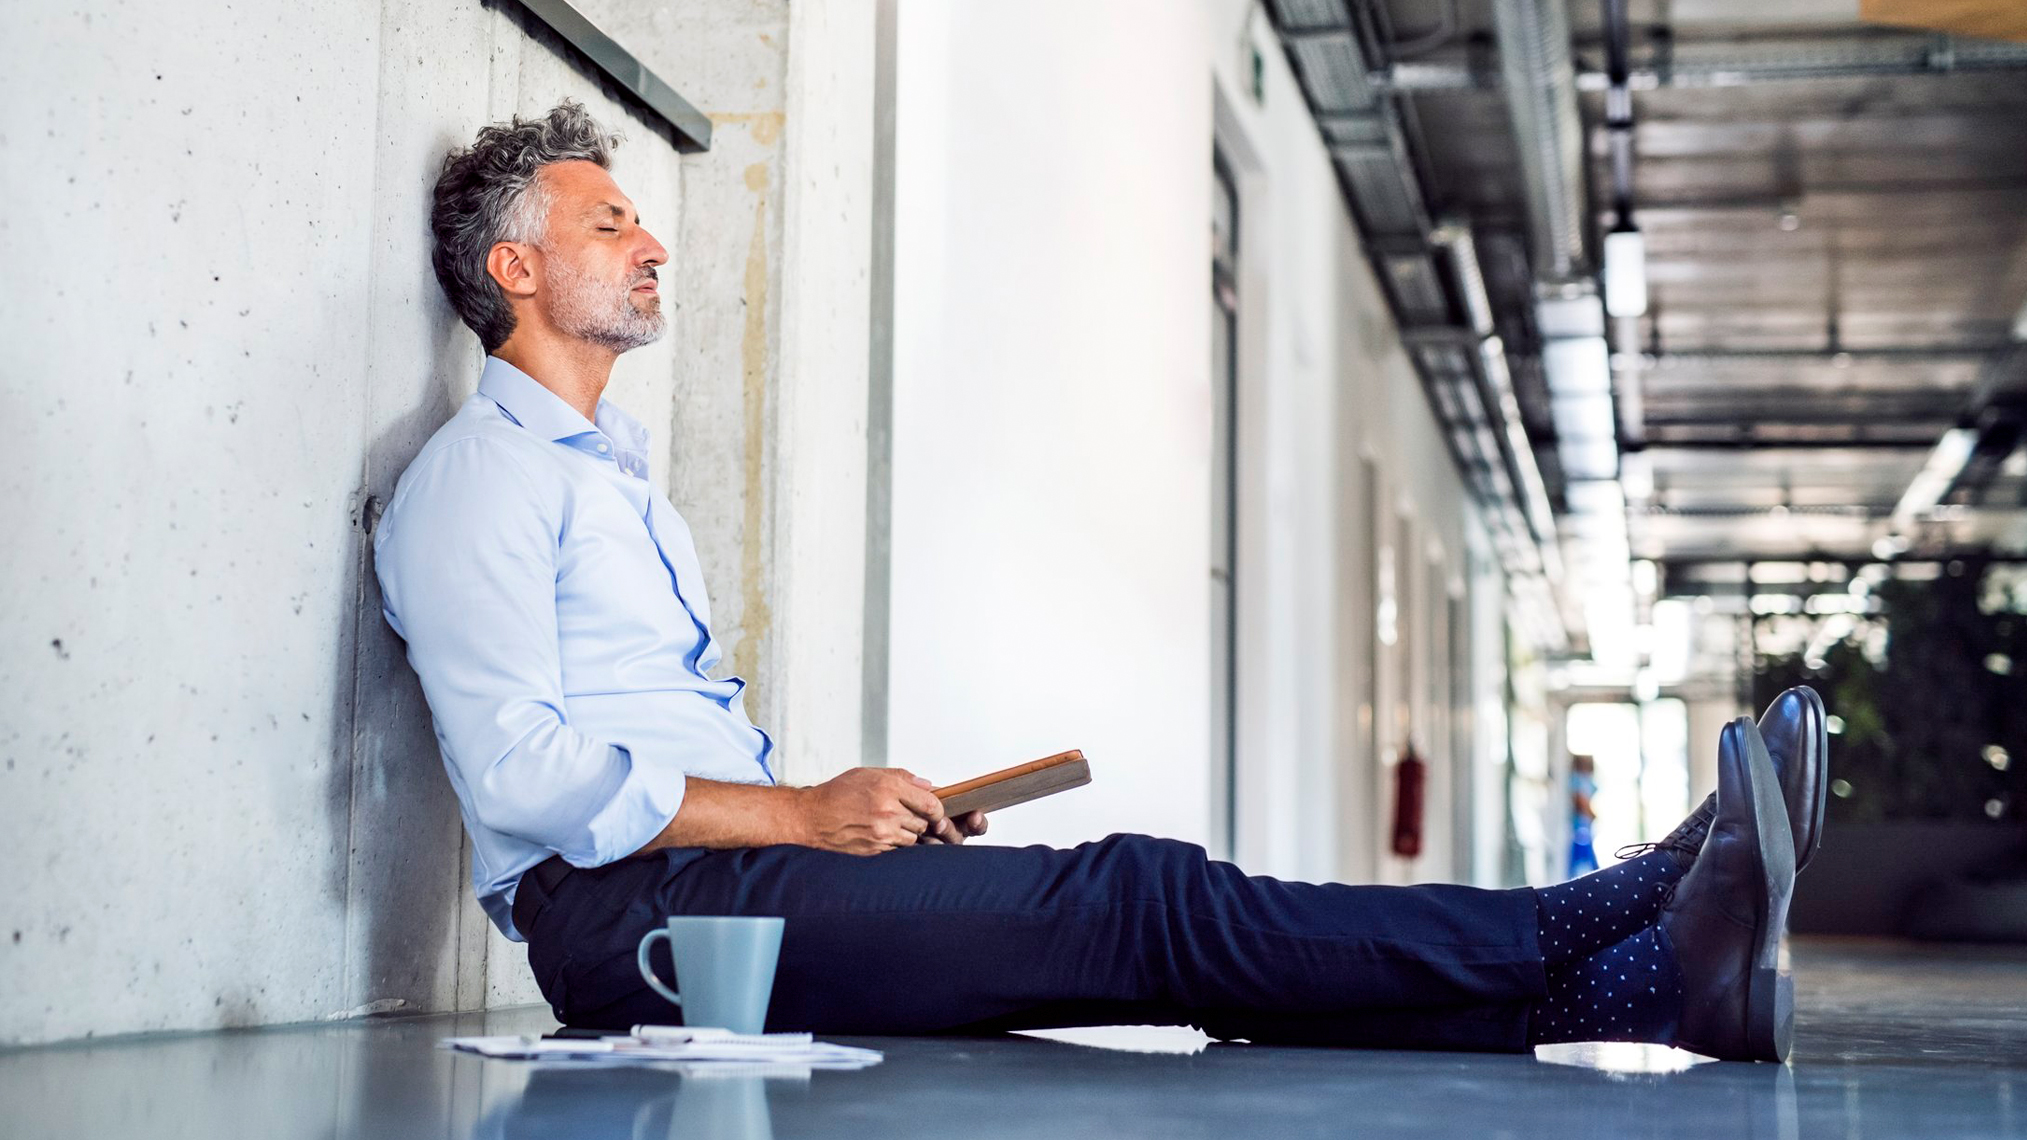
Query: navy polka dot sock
x: 1629, y: 992
x: 1583, y: 916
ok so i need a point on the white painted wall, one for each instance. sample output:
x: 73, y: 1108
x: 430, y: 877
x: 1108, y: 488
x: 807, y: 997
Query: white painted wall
x: 220, y: 789
x: 1052, y: 404
x: 1053, y: 431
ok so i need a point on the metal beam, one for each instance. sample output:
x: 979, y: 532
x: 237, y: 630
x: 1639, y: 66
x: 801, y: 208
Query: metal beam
x: 1757, y: 413
x: 1769, y: 451
x: 690, y: 127
x: 1775, y: 201
x: 1849, y: 560
x: 1734, y: 63
x: 1900, y: 353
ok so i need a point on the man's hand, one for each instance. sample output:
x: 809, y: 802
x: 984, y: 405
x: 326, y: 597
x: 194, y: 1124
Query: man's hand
x: 957, y: 829
x: 869, y: 810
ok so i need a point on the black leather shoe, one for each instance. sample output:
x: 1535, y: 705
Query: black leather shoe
x: 1798, y: 738
x: 1799, y: 742
x: 1725, y: 921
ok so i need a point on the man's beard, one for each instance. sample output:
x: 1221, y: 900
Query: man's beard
x: 599, y: 311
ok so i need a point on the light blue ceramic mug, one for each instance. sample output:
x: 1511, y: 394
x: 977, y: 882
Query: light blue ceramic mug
x: 724, y: 965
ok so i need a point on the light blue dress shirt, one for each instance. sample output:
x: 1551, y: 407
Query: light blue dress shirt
x: 553, y: 606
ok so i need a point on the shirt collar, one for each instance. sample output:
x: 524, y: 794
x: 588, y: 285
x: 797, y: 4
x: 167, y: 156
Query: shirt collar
x: 543, y: 412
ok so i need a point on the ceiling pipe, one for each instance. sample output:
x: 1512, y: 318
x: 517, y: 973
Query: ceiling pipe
x: 1945, y: 462
x: 1541, y: 100
x: 1454, y: 239
x: 1969, y: 456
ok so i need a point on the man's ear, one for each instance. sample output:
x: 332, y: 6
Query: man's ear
x: 514, y: 266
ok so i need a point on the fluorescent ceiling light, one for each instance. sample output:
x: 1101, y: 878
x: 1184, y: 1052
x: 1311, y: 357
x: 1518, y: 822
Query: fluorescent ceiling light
x: 1646, y: 577
x: 1595, y: 497
x: 1583, y: 416
x: 1625, y: 273
x: 1588, y: 458
x: 1944, y: 464
x: 1608, y: 615
x: 1576, y: 315
x: 1646, y: 687
x: 1674, y: 639
x: 1636, y: 474
x: 1577, y: 364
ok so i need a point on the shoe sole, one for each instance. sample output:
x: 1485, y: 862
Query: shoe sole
x: 1816, y: 741
x: 1770, y: 994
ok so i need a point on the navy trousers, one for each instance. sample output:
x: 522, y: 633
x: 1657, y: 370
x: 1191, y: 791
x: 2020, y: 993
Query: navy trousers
x: 1127, y: 930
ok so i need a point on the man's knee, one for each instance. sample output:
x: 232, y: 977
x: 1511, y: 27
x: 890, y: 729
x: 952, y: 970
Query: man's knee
x: 1150, y: 866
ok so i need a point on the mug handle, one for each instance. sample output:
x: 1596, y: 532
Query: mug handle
x: 647, y: 972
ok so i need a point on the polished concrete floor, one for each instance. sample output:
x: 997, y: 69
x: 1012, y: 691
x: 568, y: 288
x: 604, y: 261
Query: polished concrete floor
x: 1891, y: 1041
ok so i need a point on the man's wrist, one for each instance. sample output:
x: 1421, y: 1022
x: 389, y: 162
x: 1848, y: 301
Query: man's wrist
x: 795, y: 817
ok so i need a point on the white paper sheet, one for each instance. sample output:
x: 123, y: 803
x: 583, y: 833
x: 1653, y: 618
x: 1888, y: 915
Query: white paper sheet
x: 672, y: 1044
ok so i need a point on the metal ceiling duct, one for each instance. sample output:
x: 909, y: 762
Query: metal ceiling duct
x: 1306, y: 15
x: 1335, y: 67
x: 1541, y: 99
x: 1496, y: 382
x: 1325, y: 44
x: 1417, y: 291
x: 1388, y: 198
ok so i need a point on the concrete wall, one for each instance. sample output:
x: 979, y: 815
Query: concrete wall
x: 1052, y: 438
x: 219, y: 784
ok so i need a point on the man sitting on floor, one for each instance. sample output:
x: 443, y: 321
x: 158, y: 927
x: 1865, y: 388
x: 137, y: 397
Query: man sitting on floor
x: 555, y: 611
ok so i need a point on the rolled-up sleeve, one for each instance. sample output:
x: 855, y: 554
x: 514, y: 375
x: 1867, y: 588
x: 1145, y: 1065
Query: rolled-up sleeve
x: 466, y: 558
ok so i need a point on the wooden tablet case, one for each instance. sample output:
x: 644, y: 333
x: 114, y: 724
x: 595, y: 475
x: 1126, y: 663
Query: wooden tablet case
x: 1018, y: 784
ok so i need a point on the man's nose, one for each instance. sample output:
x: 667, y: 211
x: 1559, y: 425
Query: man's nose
x: 651, y: 251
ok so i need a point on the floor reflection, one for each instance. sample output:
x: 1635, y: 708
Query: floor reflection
x: 1634, y: 1090
x: 1889, y: 1043
x: 638, y: 1104
x: 1620, y: 1057
x: 1176, y: 1039
x: 1017, y: 1086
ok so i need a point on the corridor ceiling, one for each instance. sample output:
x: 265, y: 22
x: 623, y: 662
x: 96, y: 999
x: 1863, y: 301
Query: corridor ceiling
x: 1834, y: 220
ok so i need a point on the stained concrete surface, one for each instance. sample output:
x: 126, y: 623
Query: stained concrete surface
x: 1892, y: 1040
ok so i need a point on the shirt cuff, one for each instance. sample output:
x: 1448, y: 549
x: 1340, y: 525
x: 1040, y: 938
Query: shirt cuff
x: 637, y: 812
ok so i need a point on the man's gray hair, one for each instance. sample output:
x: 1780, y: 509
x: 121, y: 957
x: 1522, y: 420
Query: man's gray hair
x: 489, y: 193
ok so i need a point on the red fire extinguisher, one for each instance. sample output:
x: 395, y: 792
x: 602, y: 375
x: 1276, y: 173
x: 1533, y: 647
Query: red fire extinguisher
x: 1410, y: 777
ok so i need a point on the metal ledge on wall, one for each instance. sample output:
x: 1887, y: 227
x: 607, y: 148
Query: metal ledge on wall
x: 691, y: 128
